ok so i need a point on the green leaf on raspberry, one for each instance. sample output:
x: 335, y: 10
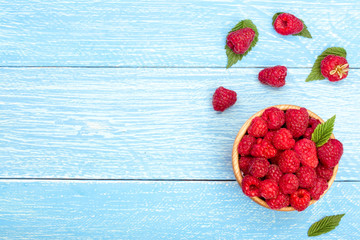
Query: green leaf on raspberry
x: 304, y: 33
x: 325, y: 225
x: 275, y: 17
x: 233, y: 57
x: 322, y: 132
x: 315, y: 73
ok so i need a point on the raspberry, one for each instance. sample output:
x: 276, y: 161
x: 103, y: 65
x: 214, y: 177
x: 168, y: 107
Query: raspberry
x: 324, y: 172
x: 258, y: 127
x: 306, y: 149
x: 223, y: 98
x: 300, y: 199
x: 286, y: 24
x: 251, y: 186
x: 283, y: 139
x: 275, y: 160
x: 313, y: 123
x: 273, y: 76
x: 269, y: 136
x: 308, y: 133
x: 282, y: 200
x: 330, y: 153
x: 318, y: 189
x: 306, y: 176
x: 334, y: 68
x: 269, y: 189
x: 245, y: 145
x: 274, y: 117
x: 239, y: 41
x: 244, y: 164
x: 274, y: 173
x: 297, y: 121
x: 288, y: 183
x: 289, y: 162
x: 259, y: 167
x: 263, y: 149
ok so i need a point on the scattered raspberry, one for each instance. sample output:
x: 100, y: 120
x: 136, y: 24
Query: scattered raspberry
x: 306, y: 149
x: 300, y: 199
x: 297, y: 121
x: 244, y: 164
x: 283, y: 139
x: 223, y: 98
x: 324, y: 172
x: 251, y: 186
x: 263, y: 149
x: 334, y: 68
x: 269, y: 136
x: 259, y: 167
x: 330, y: 153
x: 289, y: 162
x: 288, y: 24
x: 274, y: 117
x: 239, y: 41
x: 258, y: 127
x: 306, y: 176
x: 280, y: 201
x: 318, y: 189
x: 269, y: 189
x: 273, y: 76
x: 274, y: 173
x: 245, y: 145
x: 288, y: 183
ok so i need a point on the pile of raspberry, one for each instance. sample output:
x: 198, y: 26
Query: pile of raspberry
x: 281, y: 164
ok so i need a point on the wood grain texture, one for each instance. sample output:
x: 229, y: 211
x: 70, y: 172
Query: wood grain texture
x: 168, y: 33
x: 150, y: 123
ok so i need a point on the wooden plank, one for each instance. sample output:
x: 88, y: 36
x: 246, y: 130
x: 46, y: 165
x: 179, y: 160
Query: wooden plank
x: 150, y: 123
x: 161, y: 210
x: 167, y: 33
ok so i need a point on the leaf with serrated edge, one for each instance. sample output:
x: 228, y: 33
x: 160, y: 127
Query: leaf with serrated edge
x: 322, y: 132
x: 304, y: 33
x: 324, y: 225
x: 315, y: 73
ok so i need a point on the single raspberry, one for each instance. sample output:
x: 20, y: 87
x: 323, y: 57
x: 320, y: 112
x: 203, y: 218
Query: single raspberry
x: 223, y: 98
x: 330, y: 153
x: 258, y: 127
x: 269, y: 136
x: 334, y: 68
x: 324, y: 172
x: 240, y: 40
x: 259, y: 167
x: 273, y: 76
x: 288, y: 24
x: 263, y: 149
x: 313, y: 123
x: 269, y: 189
x: 300, y: 199
x: 289, y: 161
x: 282, y: 200
x: 274, y: 117
x: 288, y: 183
x: 308, y: 133
x: 244, y: 164
x: 274, y: 173
x: 251, y: 186
x: 306, y: 149
x: 283, y: 139
x: 319, y: 188
x: 306, y: 176
x: 245, y: 145
x: 297, y: 121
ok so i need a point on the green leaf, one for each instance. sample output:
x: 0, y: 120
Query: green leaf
x: 233, y: 57
x: 315, y: 73
x: 304, y: 33
x: 324, y: 225
x: 323, y: 132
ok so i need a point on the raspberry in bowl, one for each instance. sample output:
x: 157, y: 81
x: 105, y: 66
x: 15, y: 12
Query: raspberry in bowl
x: 276, y: 162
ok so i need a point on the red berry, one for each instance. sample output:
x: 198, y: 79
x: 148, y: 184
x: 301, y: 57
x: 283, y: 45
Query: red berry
x: 297, y: 121
x: 300, y: 199
x: 244, y: 164
x: 251, y: 186
x: 308, y: 133
x: 259, y: 167
x: 288, y: 183
x: 319, y: 188
x: 223, y: 98
x: 274, y: 173
x: 258, y: 127
x: 330, y: 153
x: 245, y: 145
x: 273, y: 76
x: 289, y: 161
x: 282, y: 200
x: 334, y: 68
x: 306, y: 176
x: 313, y: 123
x: 269, y: 189
x: 324, y: 172
x: 306, y: 149
x: 240, y: 40
x: 269, y: 136
x: 274, y: 118
x: 283, y: 139
x: 286, y: 24
x: 263, y: 149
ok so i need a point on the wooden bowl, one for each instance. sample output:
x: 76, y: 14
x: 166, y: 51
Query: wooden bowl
x: 235, y: 154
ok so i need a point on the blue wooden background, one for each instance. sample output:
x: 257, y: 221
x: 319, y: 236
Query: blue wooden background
x: 107, y: 129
